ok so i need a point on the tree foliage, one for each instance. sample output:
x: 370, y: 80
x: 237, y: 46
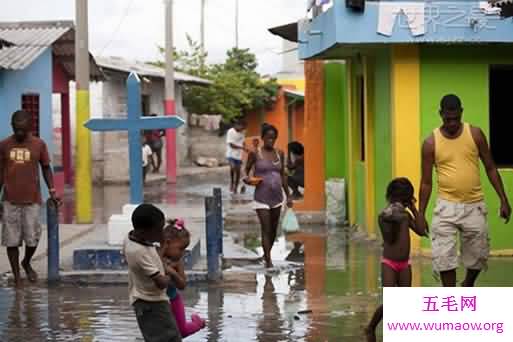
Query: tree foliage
x: 236, y: 89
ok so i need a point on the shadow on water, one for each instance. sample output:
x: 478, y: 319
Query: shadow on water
x: 329, y: 297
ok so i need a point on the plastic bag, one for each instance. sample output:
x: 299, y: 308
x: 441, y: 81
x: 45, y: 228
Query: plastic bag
x: 289, y: 223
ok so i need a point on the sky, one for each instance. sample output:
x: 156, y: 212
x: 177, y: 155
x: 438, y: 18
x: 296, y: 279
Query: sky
x: 135, y: 28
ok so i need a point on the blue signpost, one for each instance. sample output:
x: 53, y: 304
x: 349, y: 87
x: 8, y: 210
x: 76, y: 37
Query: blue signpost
x: 134, y: 124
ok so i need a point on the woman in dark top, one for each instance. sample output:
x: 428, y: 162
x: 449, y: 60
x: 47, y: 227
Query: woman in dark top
x: 268, y: 165
x: 296, y: 167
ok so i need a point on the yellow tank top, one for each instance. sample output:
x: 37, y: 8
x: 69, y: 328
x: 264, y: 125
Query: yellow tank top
x: 457, y: 166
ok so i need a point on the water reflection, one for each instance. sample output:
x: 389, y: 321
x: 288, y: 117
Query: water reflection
x: 270, y: 326
x: 338, y: 286
x: 109, y: 199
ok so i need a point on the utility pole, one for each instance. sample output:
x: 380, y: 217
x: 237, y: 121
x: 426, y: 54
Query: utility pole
x: 202, y: 26
x: 237, y: 23
x: 83, y: 174
x: 169, y: 103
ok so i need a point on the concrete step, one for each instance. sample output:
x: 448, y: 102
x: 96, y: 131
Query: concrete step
x: 110, y: 258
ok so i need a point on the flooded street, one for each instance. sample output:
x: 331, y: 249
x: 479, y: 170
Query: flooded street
x: 329, y: 299
x: 108, y: 200
x: 325, y: 287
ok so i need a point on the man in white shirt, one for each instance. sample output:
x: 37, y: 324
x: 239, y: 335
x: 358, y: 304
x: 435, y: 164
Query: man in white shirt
x: 234, y: 149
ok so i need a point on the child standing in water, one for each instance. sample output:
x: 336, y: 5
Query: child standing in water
x: 176, y: 239
x: 395, y: 222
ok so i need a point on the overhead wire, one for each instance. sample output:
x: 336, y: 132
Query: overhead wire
x: 118, y: 27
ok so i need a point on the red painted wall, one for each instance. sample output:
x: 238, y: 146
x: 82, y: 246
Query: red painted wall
x: 60, y: 79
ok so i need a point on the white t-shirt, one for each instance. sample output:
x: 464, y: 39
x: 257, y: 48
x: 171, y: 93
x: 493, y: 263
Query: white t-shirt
x: 143, y: 263
x: 146, y: 154
x: 237, y: 139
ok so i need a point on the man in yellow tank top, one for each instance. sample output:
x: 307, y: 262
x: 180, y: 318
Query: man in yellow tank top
x: 454, y: 151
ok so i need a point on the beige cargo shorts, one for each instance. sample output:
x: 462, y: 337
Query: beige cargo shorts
x: 21, y: 223
x: 469, y: 220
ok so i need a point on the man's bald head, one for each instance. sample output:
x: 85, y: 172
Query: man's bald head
x: 21, y: 122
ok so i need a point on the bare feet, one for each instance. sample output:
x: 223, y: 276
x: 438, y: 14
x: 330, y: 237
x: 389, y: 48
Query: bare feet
x: 269, y: 264
x: 31, y: 274
x: 370, y: 334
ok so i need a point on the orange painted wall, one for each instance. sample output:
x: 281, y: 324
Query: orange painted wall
x: 314, y: 195
x: 278, y: 117
x: 253, y: 123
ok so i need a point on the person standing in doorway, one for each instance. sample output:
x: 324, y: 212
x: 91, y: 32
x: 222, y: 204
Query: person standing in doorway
x: 234, y: 149
x: 454, y: 150
x: 21, y: 155
x: 296, y: 167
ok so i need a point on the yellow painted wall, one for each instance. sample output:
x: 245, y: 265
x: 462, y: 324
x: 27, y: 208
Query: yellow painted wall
x: 406, y: 117
x: 369, y: 97
x: 351, y: 179
x: 298, y: 84
x: 83, y: 176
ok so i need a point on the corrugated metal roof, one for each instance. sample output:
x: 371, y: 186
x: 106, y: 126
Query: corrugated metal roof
x: 5, y: 43
x: 145, y: 69
x: 31, y: 39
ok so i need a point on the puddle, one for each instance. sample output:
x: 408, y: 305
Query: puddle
x: 108, y: 200
x: 338, y: 283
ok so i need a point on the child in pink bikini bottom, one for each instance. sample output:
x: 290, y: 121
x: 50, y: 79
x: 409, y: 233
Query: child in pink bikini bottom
x: 397, y: 266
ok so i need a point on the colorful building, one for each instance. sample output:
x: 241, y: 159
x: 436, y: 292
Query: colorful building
x: 286, y: 114
x: 109, y: 99
x: 400, y: 59
x: 36, y: 66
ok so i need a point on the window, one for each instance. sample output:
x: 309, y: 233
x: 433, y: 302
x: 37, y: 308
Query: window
x: 30, y: 104
x: 501, y: 114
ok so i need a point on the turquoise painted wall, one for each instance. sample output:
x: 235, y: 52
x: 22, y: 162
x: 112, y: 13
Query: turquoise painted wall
x: 335, y: 120
x: 465, y: 72
x: 36, y: 78
x: 383, y: 139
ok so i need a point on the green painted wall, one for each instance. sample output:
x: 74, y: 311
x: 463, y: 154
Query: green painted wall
x: 355, y: 166
x: 465, y: 72
x: 335, y: 120
x: 383, y: 139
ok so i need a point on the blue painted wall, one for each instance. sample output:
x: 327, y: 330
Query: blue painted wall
x: 445, y: 22
x: 36, y: 78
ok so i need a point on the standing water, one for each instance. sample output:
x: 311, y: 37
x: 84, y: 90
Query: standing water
x: 329, y: 296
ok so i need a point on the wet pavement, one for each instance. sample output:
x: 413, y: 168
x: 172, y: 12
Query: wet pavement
x: 258, y: 306
x: 327, y: 291
x: 108, y: 200
x: 334, y: 279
